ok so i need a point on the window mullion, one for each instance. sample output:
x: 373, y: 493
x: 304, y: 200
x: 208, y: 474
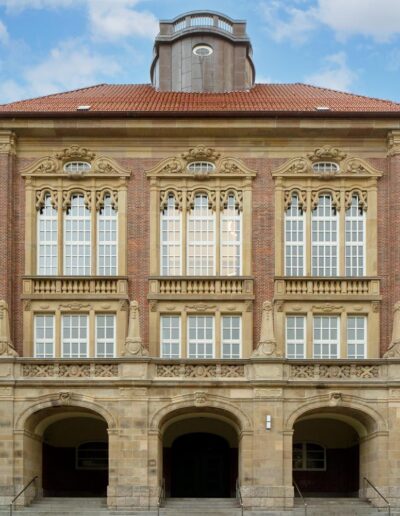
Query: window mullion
x: 307, y: 236
x: 60, y: 237
x: 341, y: 235
x: 93, y: 234
x: 184, y: 236
x: 217, y: 234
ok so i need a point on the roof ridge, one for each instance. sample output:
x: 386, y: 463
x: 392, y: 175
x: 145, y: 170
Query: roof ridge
x: 349, y: 93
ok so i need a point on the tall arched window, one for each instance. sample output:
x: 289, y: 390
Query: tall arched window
x: 77, y: 238
x: 294, y: 239
x: 201, y: 238
x: 47, y: 257
x: 355, y: 238
x: 324, y: 238
x: 107, y: 239
x: 231, y: 229
x: 171, y: 239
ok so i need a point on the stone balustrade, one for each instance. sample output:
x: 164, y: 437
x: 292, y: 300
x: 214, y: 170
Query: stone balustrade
x: 292, y: 287
x: 191, y: 287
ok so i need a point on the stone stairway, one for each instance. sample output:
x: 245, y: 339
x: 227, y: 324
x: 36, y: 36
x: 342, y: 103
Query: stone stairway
x: 59, y: 506
x: 199, y: 506
x: 338, y: 507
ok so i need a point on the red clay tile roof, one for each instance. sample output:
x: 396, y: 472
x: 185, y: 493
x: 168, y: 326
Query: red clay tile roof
x: 136, y: 99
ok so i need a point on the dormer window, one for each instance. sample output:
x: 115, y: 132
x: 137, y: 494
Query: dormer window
x: 77, y: 167
x: 325, y: 167
x: 201, y: 167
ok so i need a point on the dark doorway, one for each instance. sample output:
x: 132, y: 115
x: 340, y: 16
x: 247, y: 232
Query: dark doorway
x: 326, y: 458
x: 202, y: 465
x: 75, y: 458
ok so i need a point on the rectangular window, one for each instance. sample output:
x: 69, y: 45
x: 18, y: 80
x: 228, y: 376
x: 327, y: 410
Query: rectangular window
x: 355, y: 239
x: 200, y: 336
x: 324, y: 231
x: 295, y: 336
x: 294, y: 239
x: 231, y: 336
x: 107, y: 239
x: 170, y: 236
x: 47, y: 239
x: 170, y: 333
x: 356, y: 336
x: 201, y: 238
x: 75, y: 336
x: 44, y: 336
x: 326, y: 336
x: 105, y: 335
x: 231, y: 222
x: 77, y: 238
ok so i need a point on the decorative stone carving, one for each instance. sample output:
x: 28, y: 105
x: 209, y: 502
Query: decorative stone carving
x: 166, y: 194
x: 301, y: 195
x: 200, y: 399
x: 200, y: 307
x: 336, y: 372
x: 105, y: 192
x: 70, y: 370
x: 327, y: 308
x: 212, y: 198
x: 6, y: 347
x: 41, y: 198
x: 201, y: 153
x: 362, y: 198
x: 200, y: 371
x: 394, y: 143
x: 315, y: 195
x: 326, y: 153
x: 75, y: 153
x: 394, y: 348
x: 237, y: 194
x: 133, y: 342
x: 335, y: 398
x: 67, y: 196
x: 8, y: 142
x: 65, y: 398
x: 267, y: 346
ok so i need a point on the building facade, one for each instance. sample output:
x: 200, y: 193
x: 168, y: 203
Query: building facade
x: 199, y: 284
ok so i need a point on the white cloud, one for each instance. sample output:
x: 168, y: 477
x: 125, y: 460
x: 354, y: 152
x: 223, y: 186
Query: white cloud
x: 335, y: 74
x: 15, y: 6
x: 69, y: 66
x: 119, y: 19
x: 379, y: 20
x: 4, y: 37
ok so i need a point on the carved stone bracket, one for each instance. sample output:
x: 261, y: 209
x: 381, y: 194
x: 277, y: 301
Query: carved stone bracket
x: 394, y: 143
x: 133, y: 342
x: 267, y: 345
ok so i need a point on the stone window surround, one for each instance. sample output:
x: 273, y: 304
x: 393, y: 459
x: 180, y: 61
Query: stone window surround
x: 172, y: 175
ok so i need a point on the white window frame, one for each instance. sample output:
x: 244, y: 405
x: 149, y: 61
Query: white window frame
x: 45, y: 340
x: 109, y: 245
x: 76, y: 246
x: 296, y: 342
x: 105, y: 340
x: 325, y: 249
x: 78, y: 340
x: 169, y: 341
x: 329, y: 341
x: 45, y: 243
x: 295, y: 244
x: 358, y: 342
x: 229, y: 244
x: 353, y: 247
x: 198, y: 342
x: 209, y: 219
x: 167, y: 245
x: 231, y: 342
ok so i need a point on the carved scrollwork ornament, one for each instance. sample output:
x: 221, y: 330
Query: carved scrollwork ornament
x: 237, y: 194
x: 102, y: 194
x: 201, y: 153
x: 316, y: 194
x: 327, y: 153
x: 75, y: 153
x: 362, y: 198
x: 171, y: 192
x: 41, y: 198
x: 301, y: 196
x: 212, y: 198
x: 67, y: 196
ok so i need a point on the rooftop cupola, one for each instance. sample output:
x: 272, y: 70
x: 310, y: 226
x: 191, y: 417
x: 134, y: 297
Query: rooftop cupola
x: 202, y: 51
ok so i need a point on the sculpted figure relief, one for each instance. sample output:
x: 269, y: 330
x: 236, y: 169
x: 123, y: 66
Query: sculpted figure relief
x: 6, y: 347
x: 394, y: 349
x: 267, y: 345
x: 133, y: 342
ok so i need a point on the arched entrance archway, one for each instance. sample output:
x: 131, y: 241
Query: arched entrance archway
x: 67, y: 448
x: 200, y: 457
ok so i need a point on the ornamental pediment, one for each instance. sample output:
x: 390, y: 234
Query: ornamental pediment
x: 75, y: 161
x: 326, y: 163
x: 201, y: 162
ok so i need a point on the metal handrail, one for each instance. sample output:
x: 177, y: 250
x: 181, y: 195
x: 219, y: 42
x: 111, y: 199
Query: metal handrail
x: 22, y: 491
x: 379, y: 493
x: 239, y: 495
x: 161, y: 496
x: 301, y: 496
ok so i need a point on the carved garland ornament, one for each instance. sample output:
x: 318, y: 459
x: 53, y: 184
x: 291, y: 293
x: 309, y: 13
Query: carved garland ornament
x: 334, y: 371
x: 200, y: 371
x: 348, y: 166
x: 179, y: 164
x: 70, y: 370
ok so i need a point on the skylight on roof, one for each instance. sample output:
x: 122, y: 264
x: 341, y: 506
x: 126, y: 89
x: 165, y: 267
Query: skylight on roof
x: 83, y: 108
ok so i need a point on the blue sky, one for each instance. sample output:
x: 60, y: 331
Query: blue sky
x: 47, y: 46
